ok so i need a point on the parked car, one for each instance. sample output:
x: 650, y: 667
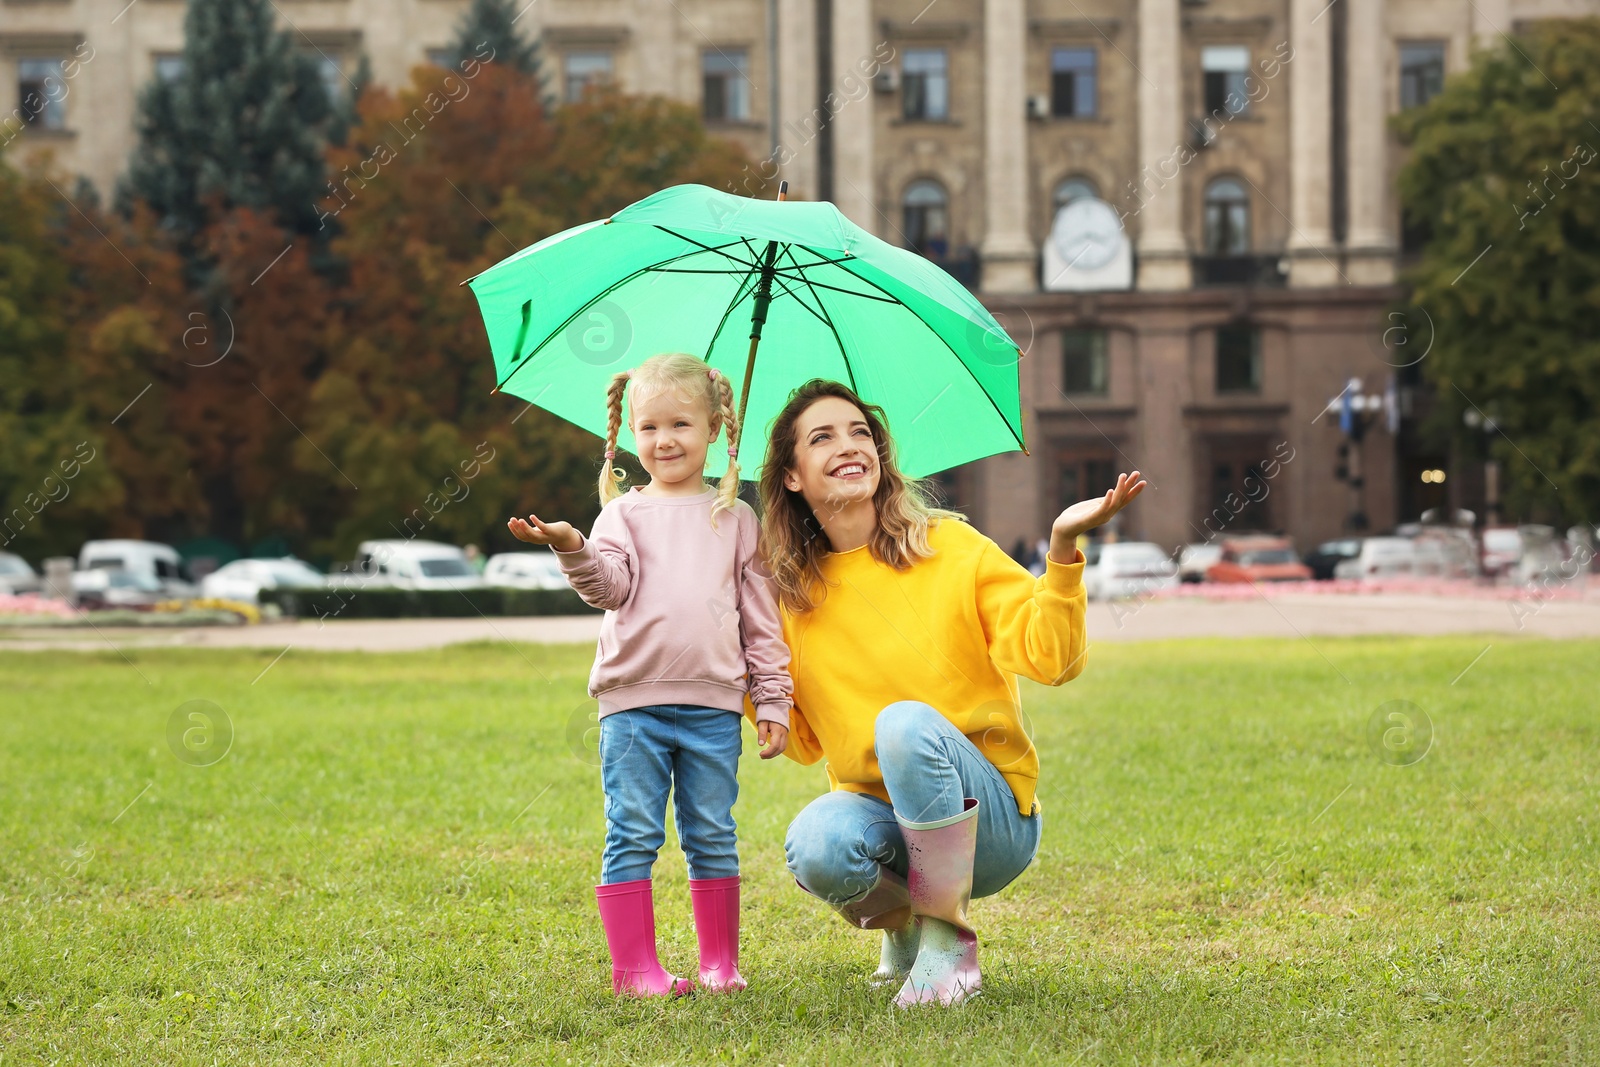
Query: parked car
x: 1502, y: 549
x: 1194, y: 559
x: 1380, y: 557
x: 525, y: 570
x: 1543, y: 556
x: 244, y: 579
x: 1330, y: 554
x: 1258, y: 559
x: 153, y: 565
x: 17, y: 575
x: 1446, y: 552
x: 1129, y: 569
x: 116, y: 587
x: 412, y: 565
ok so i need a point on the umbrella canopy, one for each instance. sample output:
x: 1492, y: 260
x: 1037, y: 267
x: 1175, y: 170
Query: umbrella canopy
x: 682, y: 271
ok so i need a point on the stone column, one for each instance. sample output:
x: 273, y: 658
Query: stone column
x: 1158, y: 190
x: 798, y: 118
x: 1313, y: 261
x: 1371, y: 245
x: 854, y: 182
x: 1010, y: 261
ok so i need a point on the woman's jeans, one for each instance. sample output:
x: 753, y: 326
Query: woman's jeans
x: 693, y: 751
x: 836, y: 843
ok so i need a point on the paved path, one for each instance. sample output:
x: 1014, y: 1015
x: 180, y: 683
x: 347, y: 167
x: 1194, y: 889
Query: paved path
x: 1288, y: 615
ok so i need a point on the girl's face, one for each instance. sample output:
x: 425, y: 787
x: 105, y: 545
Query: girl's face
x: 673, y: 431
x: 835, y: 458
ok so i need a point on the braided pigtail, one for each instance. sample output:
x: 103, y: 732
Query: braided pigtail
x: 613, y: 478
x: 728, y: 490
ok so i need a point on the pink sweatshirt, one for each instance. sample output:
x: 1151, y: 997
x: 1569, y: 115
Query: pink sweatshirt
x: 691, y: 615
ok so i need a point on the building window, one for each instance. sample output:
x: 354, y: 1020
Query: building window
x: 1238, y: 359
x: 925, y: 84
x: 1225, y: 68
x: 725, y: 89
x: 1227, y: 218
x: 1421, y: 72
x: 1072, y: 83
x: 42, y: 93
x: 168, y: 66
x: 331, y: 71
x: 926, y: 217
x: 1076, y: 187
x: 583, y: 70
x: 1084, y: 369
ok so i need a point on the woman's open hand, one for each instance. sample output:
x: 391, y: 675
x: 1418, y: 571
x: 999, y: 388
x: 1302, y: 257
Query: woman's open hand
x: 558, y: 535
x: 1085, y: 515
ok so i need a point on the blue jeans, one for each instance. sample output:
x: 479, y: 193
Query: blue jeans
x: 835, y: 844
x: 692, y: 751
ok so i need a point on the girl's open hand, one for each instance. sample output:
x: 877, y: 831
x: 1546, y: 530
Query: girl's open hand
x: 775, y: 738
x: 1085, y: 515
x: 558, y: 535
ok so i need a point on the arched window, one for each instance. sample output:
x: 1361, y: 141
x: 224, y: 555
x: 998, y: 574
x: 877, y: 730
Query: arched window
x: 1074, y: 188
x: 1227, y: 218
x: 926, y: 215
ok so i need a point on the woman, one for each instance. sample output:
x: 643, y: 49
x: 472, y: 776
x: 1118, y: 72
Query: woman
x: 906, y: 630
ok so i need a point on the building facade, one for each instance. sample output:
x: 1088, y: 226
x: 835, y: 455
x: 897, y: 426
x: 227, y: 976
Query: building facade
x: 1230, y: 266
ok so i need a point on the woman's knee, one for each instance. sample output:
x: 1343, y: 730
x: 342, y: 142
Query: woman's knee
x: 906, y: 730
x: 826, y: 849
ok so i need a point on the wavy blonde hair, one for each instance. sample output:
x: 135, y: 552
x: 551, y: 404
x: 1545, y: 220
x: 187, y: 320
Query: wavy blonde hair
x: 691, y: 378
x: 792, y: 537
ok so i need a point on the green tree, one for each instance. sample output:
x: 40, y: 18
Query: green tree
x: 488, y: 33
x: 1504, y: 175
x: 244, y: 125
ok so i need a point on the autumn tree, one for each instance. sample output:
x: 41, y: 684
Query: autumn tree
x: 459, y: 171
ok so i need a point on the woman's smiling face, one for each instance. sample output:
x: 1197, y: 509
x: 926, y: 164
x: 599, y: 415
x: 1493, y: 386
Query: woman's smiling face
x: 835, y: 462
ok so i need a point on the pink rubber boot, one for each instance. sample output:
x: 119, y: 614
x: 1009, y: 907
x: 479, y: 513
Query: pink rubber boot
x: 940, y: 885
x: 716, y: 926
x: 628, y: 913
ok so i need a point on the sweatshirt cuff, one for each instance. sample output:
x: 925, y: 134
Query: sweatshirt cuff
x: 1064, y: 578
x: 778, y: 713
x: 571, y: 561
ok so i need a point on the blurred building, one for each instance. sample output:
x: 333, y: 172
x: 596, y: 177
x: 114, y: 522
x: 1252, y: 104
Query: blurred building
x: 1182, y: 210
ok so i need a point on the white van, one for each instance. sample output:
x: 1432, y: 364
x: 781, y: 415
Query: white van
x: 155, y: 567
x: 414, y: 565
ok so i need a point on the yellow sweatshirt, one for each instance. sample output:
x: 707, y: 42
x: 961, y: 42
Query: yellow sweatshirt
x: 953, y: 631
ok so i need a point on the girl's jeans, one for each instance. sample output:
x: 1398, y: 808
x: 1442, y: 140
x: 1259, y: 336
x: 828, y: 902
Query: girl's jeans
x: 693, y: 751
x: 837, y: 841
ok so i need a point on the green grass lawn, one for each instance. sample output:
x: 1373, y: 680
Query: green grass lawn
x: 393, y: 864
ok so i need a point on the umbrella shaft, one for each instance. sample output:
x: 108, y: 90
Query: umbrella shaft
x: 758, y: 316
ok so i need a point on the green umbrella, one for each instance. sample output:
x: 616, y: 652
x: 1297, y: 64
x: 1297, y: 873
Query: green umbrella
x: 691, y: 269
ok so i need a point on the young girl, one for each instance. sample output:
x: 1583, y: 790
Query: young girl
x: 691, y: 627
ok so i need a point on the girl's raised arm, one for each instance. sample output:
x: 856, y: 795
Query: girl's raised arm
x: 600, y: 568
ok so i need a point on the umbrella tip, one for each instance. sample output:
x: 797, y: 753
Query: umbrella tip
x: 495, y: 391
x: 783, y: 189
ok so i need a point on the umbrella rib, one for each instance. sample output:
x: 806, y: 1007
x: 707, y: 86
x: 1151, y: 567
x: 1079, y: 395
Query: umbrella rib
x: 743, y: 291
x: 852, y: 292
x: 962, y: 363
x: 826, y: 318
x: 718, y: 249
x: 586, y: 305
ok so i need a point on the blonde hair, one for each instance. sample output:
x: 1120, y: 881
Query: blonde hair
x: 688, y: 375
x: 792, y: 537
